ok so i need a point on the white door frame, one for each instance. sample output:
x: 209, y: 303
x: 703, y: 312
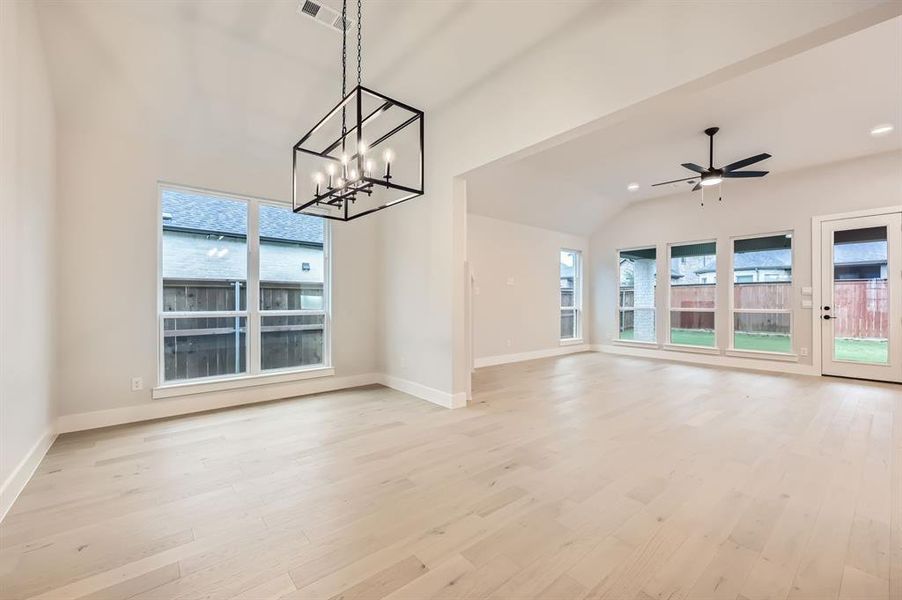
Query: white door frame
x: 817, y: 279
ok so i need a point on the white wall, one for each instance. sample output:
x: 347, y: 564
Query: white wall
x: 590, y: 69
x: 525, y: 312
x: 26, y: 245
x: 108, y: 256
x: 778, y: 202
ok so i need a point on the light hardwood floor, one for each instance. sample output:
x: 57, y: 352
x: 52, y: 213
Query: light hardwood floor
x: 585, y: 476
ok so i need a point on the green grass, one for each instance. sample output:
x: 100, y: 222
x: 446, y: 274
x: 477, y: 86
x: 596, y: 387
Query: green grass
x: 865, y: 351
x: 854, y: 350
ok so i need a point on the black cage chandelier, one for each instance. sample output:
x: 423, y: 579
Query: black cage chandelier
x: 366, y: 154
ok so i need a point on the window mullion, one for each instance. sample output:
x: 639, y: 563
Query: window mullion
x: 253, y: 287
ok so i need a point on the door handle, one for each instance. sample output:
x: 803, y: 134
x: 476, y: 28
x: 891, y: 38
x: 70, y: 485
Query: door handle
x: 826, y: 317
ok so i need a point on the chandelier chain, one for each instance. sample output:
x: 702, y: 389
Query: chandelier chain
x: 359, y: 40
x: 344, y: 63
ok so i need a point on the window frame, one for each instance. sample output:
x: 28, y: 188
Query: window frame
x: 654, y: 308
x: 253, y: 374
x: 577, y: 307
x: 732, y: 310
x: 715, y: 349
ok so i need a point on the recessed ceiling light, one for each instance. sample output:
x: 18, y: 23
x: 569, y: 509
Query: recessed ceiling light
x: 633, y: 187
x: 881, y: 130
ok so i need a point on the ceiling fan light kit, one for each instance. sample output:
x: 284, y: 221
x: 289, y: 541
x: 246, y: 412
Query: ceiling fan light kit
x: 365, y: 155
x: 712, y: 176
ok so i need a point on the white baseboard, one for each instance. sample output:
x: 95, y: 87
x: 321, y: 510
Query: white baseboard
x: 424, y: 392
x: 171, y: 407
x: 733, y: 362
x: 503, y: 359
x: 16, y: 481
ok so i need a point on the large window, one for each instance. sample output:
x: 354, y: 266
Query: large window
x: 762, y: 294
x: 636, y: 303
x: 223, y: 315
x: 571, y: 295
x: 693, y: 294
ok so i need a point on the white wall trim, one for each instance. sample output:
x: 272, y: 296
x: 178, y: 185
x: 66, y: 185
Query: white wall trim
x: 20, y: 476
x: 424, y: 392
x: 503, y: 359
x: 176, y: 389
x: 194, y: 403
x: 733, y: 362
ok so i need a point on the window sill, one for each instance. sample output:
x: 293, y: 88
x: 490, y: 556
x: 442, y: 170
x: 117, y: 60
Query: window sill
x: 785, y: 357
x: 173, y: 390
x: 693, y: 349
x: 635, y: 343
x: 572, y: 342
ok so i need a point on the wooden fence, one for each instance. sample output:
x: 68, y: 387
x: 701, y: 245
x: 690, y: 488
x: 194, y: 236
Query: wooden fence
x: 861, y: 307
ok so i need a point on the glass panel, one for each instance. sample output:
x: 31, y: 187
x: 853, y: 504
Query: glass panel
x: 638, y: 325
x: 291, y: 341
x: 860, y: 308
x: 569, y: 318
x: 762, y: 272
x: 292, y: 265
x: 692, y: 328
x: 693, y: 276
x: 638, y: 281
x: 763, y: 332
x: 204, y: 253
x: 568, y: 278
x: 204, y: 347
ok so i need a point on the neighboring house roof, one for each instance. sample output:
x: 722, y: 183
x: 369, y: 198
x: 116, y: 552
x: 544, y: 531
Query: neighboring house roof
x: 764, y: 259
x: 203, y: 213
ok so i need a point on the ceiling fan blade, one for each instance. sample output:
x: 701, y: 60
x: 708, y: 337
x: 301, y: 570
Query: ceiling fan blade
x: 694, y: 167
x: 745, y: 162
x: 697, y: 187
x: 746, y: 174
x: 674, y: 181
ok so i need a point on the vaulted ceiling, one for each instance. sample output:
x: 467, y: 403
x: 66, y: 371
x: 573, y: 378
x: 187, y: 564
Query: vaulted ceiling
x: 813, y: 108
x: 257, y: 72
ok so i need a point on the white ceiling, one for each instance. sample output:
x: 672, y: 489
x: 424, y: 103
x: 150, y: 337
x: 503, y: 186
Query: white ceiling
x: 816, y: 107
x: 257, y: 73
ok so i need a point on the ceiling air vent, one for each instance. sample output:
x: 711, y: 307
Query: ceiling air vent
x: 322, y: 14
x: 310, y: 8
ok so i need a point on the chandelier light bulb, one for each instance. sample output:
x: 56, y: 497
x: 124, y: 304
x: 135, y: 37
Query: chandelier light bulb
x: 344, y: 159
x: 368, y: 167
x: 330, y: 169
x: 388, y: 156
x: 340, y: 183
x: 318, y: 177
x: 362, y: 148
x: 353, y: 175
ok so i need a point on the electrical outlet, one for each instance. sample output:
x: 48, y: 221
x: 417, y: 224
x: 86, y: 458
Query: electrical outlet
x: 803, y: 351
x: 137, y: 384
x: 511, y: 281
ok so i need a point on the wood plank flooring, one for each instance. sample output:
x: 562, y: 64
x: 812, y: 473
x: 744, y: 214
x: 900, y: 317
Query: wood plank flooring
x: 581, y: 477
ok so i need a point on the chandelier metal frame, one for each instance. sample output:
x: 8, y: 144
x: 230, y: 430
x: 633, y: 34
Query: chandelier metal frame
x: 334, y: 198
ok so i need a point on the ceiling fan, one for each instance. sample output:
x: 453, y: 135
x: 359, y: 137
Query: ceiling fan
x: 712, y: 176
